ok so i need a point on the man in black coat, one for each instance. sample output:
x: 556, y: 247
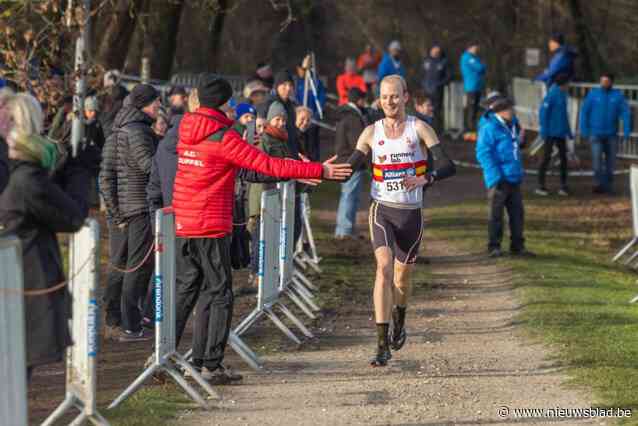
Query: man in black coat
x: 125, y: 171
x: 352, y: 121
x: 436, y: 75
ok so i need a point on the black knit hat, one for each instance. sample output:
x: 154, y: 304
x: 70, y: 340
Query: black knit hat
x: 213, y: 91
x: 177, y: 90
x: 143, y: 95
x: 282, y: 77
x: 355, y: 95
x: 558, y: 38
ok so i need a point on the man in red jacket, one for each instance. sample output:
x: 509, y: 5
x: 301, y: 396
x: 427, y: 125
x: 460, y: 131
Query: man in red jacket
x: 209, y: 155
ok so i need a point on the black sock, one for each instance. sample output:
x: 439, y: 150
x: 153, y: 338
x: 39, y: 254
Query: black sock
x: 398, y: 317
x: 382, y: 334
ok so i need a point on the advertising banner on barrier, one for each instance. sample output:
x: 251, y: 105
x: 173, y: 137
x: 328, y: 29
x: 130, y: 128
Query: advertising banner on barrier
x: 13, y: 369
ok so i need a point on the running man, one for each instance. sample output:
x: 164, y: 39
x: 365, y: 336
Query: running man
x: 398, y: 145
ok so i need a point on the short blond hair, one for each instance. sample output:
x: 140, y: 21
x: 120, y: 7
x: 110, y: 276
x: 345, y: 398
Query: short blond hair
x: 396, y: 79
x: 303, y: 109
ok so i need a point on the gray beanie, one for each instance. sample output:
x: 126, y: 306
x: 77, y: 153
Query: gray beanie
x: 276, y: 109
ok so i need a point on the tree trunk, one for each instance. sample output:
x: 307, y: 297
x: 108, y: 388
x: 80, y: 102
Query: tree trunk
x: 160, y: 40
x: 117, y: 34
x: 591, y: 60
x: 216, y: 31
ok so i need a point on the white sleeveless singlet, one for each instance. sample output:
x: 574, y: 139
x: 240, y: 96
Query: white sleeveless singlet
x: 394, y: 159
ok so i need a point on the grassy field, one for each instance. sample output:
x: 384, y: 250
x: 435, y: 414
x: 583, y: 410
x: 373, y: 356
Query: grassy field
x: 573, y: 298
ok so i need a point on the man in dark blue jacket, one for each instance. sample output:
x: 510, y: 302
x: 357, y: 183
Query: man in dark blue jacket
x: 599, y: 116
x: 391, y: 62
x: 555, y: 129
x: 498, y: 153
x: 562, y: 61
x: 436, y: 75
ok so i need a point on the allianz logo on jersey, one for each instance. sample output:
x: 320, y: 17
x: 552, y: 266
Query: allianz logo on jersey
x: 398, y: 174
x: 401, y: 157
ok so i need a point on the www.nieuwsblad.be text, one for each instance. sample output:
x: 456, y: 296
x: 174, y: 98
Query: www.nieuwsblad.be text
x: 562, y: 413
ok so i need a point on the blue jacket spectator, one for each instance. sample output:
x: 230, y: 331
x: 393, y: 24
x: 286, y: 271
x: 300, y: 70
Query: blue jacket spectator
x: 391, y: 62
x: 554, y: 121
x: 562, y: 61
x: 300, y: 84
x: 473, y: 72
x: 601, y: 111
x: 498, y: 152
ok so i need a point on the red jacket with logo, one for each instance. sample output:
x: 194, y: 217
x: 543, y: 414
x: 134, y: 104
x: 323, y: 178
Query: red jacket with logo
x: 205, y: 179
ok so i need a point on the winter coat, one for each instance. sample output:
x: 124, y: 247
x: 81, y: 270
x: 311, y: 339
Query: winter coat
x: 473, y: 72
x: 562, y: 62
x: 4, y: 165
x: 389, y: 66
x: 35, y: 208
x: 207, y: 166
x: 291, y: 118
x: 436, y: 74
x: 554, y: 121
x: 600, y: 112
x: 126, y: 164
x: 300, y: 86
x: 347, y: 81
x: 498, y: 152
x: 159, y: 191
x: 349, y: 127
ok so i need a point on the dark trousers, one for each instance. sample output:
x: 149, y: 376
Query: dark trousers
x: 437, y: 105
x: 139, y: 239
x: 472, y: 110
x: 113, y: 294
x: 505, y: 196
x: 547, y: 158
x: 204, y: 277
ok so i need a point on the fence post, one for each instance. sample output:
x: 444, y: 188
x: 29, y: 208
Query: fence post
x: 13, y: 370
x: 81, y: 366
x: 165, y: 358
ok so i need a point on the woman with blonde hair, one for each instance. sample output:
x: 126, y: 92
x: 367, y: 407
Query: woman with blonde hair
x: 46, y: 194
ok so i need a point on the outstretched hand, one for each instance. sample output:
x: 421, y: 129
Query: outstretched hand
x: 339, y: 171
x: 311, y: 182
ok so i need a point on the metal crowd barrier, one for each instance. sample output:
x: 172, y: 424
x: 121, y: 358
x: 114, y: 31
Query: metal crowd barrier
x: 166, y: 358
x: 269, y: 270
x: 81, y: 363
x: 453, y: 117
x: 13, y: 369
x: 633, y: 183
x: 306, y: 253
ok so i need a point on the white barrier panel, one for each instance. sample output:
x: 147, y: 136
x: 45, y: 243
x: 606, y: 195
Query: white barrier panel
x: 269, y: 270
x: 166, y: 358
x: 453, y: 116
x: 81, y: 374
x: 528, y: 97
x: 633, y: 184
x: 13, y: 370
x: 306, y: 253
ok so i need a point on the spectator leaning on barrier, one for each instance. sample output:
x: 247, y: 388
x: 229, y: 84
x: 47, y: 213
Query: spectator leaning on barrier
x: 562, y: 62
x: 124, y: 175
x: 348, y: 80
x: 209, y: 155
x: 46, y: 194
x: 391, y: 62
x: 554, y: 130
x: 498, y: 153
x: 352, y: 121
x: 436, y: 75
x: 473, y: 72
x: 599, y: 116
x: 303, y: 124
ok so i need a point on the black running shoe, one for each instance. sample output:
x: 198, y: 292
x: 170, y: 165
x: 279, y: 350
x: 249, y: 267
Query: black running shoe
x: 382, y: 357
x: 398, y: 340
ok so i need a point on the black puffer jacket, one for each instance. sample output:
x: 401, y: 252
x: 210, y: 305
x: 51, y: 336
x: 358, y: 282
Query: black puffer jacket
x: 126, y: 164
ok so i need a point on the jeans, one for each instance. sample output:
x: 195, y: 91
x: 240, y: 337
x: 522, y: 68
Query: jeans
x: 505, y: 196
x: 349, y: 204
x: 547, y: 158
x: 604, y: 169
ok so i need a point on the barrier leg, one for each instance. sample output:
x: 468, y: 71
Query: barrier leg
x: 179, y: 360
x: 79, y: 420
x: 634, y: 300
x: 68, y: 403
x: 301, y: 277
x: 300, y: 304
x: 275, y: 319
x: 295, y: 321
x: 135, y: 385
x: 309, y: 300
x: 301, y: 289
x: 98, y: 420
x: 181, y: 381
x: 248, y: 321
x: 244, y: 351
x: 631, y: 258
x: 622, y: 252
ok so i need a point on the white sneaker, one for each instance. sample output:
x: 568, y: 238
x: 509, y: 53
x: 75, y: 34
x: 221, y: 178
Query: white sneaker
x: 563, y: 192
x: 542, y: 192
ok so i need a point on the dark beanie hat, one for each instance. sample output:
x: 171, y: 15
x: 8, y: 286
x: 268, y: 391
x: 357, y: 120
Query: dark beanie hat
x: 177, y: 90
x: 501, y: 104
x: 213, y: 91
x: 282, y: 77
x: 558, y: 38
x: 143, y: 95
x: 355, y: 95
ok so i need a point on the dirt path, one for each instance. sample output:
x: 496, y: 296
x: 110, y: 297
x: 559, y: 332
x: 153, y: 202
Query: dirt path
x: 465, y: 358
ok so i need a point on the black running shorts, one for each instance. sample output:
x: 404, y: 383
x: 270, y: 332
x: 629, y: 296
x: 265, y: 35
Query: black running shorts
x: 399, y: 229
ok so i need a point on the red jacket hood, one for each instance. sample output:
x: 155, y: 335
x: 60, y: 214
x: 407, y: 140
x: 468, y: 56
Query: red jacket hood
x: 199, y: 125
